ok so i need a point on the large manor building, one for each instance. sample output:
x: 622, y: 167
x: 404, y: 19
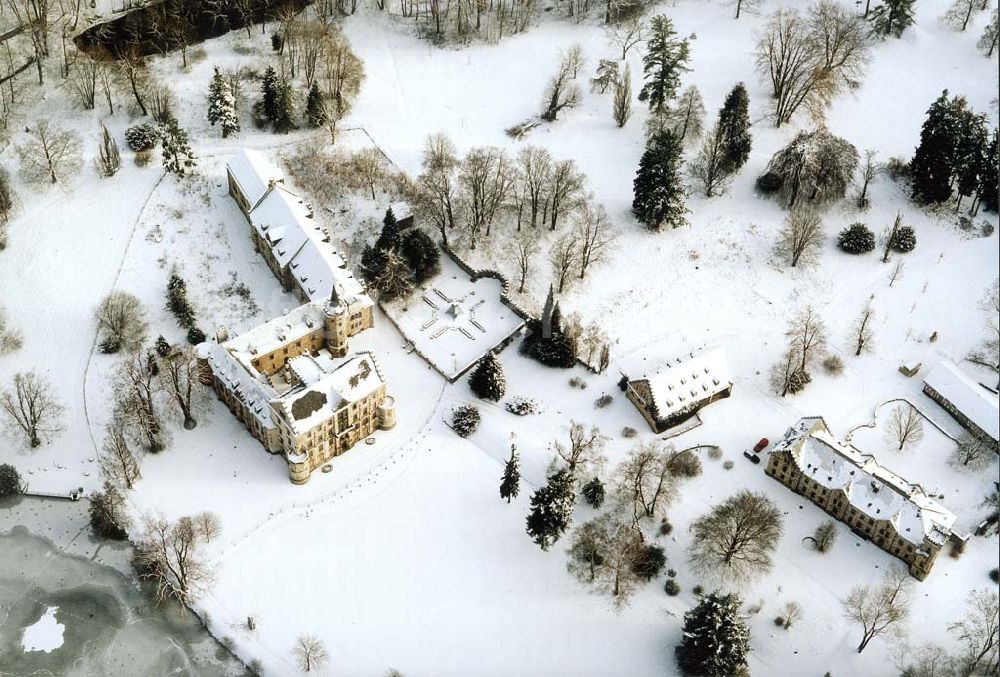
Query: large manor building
x: 877, y: 504
x: 293, y: 381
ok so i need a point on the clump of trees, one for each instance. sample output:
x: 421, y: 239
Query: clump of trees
x: 736, y: 538
x: 727, y: 145
x: 715, y: 639
x: 169, y: 556
x: 604, y: 556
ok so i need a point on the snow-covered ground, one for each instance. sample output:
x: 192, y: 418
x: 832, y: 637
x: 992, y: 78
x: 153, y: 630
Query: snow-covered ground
x: 404, y: 555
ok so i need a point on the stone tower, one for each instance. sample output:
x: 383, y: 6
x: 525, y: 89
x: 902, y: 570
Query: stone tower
x: 336, y: 324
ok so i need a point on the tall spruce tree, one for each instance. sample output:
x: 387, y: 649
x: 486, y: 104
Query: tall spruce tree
x: 284, y: 108
x: 658, y: 191
x: 734, y: 122
x: 421, y: 254
x: 269, y: 89
x: 715, y: 640
x: 176, y: 150
x: 315, y: 107
x: 892, y: 17
x: 510, y: 485
x: 665, y: 60
x: 488, y: 381
x: 931, y: 167
x: 551, y: 509
x: 970, y: 148
x: 222, y: 105
x: 986, y: 193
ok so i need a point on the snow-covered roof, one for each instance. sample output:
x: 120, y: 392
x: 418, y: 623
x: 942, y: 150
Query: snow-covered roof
x: 401, y: 209
x: 687, y: 381
x: 243, y: 381
x: 978, y: 404
x: 282, y: 330
x: 318, y: 266
x: 253, y: 173
x: 329, y: 387
x: 283, y: 220
x: 869, y: 486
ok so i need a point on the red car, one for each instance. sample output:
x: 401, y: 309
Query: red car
x: 757, y: 448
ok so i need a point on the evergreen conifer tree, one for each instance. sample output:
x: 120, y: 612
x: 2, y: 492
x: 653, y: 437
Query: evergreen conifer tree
x: 658, y: 189
x: 176, y: 150
x: 284, y: 108
x: 510, y: 485
x: 488, y: 381
x: 970, y: 148
x: 222, y: 105
x: 269, y: 88
x: 892, y: 17
x: 593, y: 493
x: 931, y: 167
x: 551, y: 509
x: 421, y: 254
x: 388, y: 239
x: 665, y: 59
x: 715, y: 640
x: 315, y: 107
x: 734, y: 122
x: 986, y: 193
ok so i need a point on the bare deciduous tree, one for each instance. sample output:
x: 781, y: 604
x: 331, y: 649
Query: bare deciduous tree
x: 870, y: 170
x: 594, y: 235
x: 801, y: 238
x: 563, y: 257
x: 879, y: 609
x: 863, y: 333
x: 437, y: 186
x: 523, y: 251
x: 118, y: 464
x: 583, y: 451
x: 535, y: 165
x: 49, y: 152
x: 32, y: 408
x: 208, y: 525
x: 485, y: 179
x: 602, y: 556
x: 791, y: 613
x: 906, y: 426
x: 979, y: 634
x: 368, y: 166
x: 169, y: 556
x: 137, y: 387
x: 686, y: 119
x: 621, y: 104
x: 134, y: 75
x: 786, y: 53
x: 626, y: 34
x: 988, y: 353
x: 565, y: 190
x: 960, y: 13
x: 643, y: 483
x: 736, y: 538
x: 710, y: 166
x: 972, y: 453
x: 309, y: 652
x: 121, y: 317
x: 561, y: 92
x: 11, y: 339
x: 178, y: 374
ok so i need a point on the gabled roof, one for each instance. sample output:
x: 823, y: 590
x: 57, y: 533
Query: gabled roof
x: 869, y: 486
x: 282, y: 220
x: 250, y: 388
x: 331, y: 387
x: 253, y: 173
x: 978, y: 404
x: 685, y: 382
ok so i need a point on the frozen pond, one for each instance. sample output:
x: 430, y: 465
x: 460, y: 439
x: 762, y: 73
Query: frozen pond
x: 65, y: 614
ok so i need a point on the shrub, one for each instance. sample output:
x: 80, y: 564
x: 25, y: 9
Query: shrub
x: 957, y: 549
x: 593, y: 493
x: 195, y: 336
x: 255, y: 667
x: 986, y: 229
x: 685, y: 464
x: 277, y: 42
x: 649, y: 562
x: 715, y: 453
x: 629, y: 432
x: 897, y: 168
x: 798, y: 381
x: 110, y: 345
x: 995, y: 575
x: 577, y: 382
x: 163, y: 347
x: 143, y: 158
x: 768, y: 183
x: 522, y: 406
x: 856, y: 239
x: 671, y: 573
x: 603, y: 401
x: 833, y: 365
x: 779, y: 621
x: 465, y: 420
x: 141, y: 137
x: 825, y: 536
x: 10, y: 481
x: 665, y: 527
x: 4, y: 236
x: 671, y: 587
x: 698, y: 590
x: 728, y: 465
x: 905, y: 240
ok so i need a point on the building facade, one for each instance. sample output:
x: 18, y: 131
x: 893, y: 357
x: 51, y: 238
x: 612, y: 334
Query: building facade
x: 853, y: 488
x: 675, y: 393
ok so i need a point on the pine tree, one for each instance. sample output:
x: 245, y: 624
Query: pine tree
x: 986, y: 193
x: 734, y: 120
x: 215, y: 89
x: 421, y: 254
x: 551, y: 509
x: 109, y: 159
x: 284, y: 108
x: 665, y: 59
x: 388, y: 240
x: 931, y: 167
x: 593, y: 493
x: 269, y: 88
x: 658, y: 189
x: 892, y: 17
x: 970, y: 148
x: 510, y: 485
x: 176, y: 151
x: 222, y: 105
x: 315, y: 107
x: 488, y: 381
x: 715, y: 640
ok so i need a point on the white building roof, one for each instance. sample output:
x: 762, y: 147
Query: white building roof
x: 283, y: 220
x: 978, y: 404
x: 349, y: 380
x: 870, y: 487
x: 689, y: 381
x: 253, y: 173
x: 241, y: 379
x: 275, y: 333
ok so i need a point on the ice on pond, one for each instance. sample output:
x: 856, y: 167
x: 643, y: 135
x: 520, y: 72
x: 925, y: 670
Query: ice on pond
x: 46, y: 634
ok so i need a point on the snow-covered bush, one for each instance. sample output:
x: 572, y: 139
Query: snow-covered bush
x: 666, y: 528
x: 798, y: 381
x: 628, y: 432
x: 465, y: 420
x: 905, y: 239
x: 522, y: 406
x: 10, y: 481
x: 685, y: 464
x: 603, y: 401
x: 195, y: 336
x: 768, y: 183
x: 856, y: 239
x: 898, y: 168
x: 577, y: 382
x: 833, y: 365
x: 593, y: 492
x: 671, y: 587
x: 715, y: 453
x: 141, y: 137
x: 728, y: 465
x: 649, y: 562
